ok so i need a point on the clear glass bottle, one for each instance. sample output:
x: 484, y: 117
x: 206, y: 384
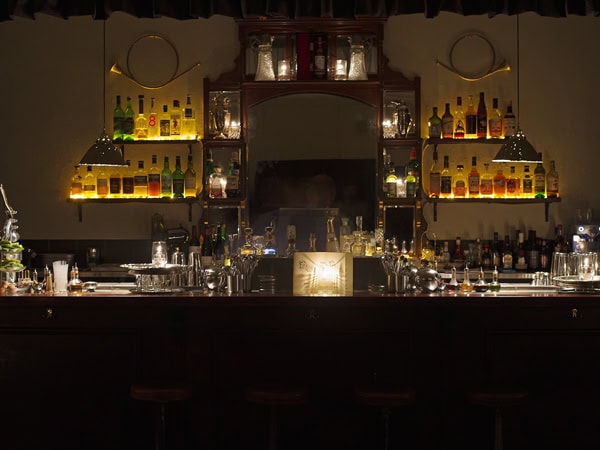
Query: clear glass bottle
x: 75, y: 285
x: 435, y: 177
x: 76, y: 190
x: 495, y: 120
x: 513, y: 184
x: 154, y: 176
x: 471, y: 119
x: 391, y: 181
x: 435, y: 124
x: 141, y: 121
x: 552, y: 181
x: 291, y: 241
x: 527, y: 183
x: 217, y: 183
x: 460, y: 182
x: 486, y: 185
x: 466, y: 285
x: 345, y: 235
x: 447, y: 123
x: 495, y: 285
x: 102, y: 183
x: 164, y: 122
x: 452, y: 285
x: 140, y: 181
x: 89, y: 183
x: 115, y: 182
x: 446, y: 179
x: 312, y: 242
x: 176, y: 119
x: 412, y: 179
x: 474, y: 179
x: 188, y: 124
x: 128, y: 181
x: 270, y: 248
x: 480, y: 284
x: 499, y: 183
x: 459, y: 120
x: 509, y: 122
x: 189, y: 179
x: 153, y: 122
x: 248, y: 247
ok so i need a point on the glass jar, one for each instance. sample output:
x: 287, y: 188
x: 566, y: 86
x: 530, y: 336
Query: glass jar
x: 358, y: 69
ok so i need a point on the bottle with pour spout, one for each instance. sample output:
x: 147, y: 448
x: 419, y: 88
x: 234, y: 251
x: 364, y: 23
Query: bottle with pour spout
x: 332, y: 244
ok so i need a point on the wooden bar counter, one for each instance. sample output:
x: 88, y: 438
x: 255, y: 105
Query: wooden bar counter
x: 66, y: 364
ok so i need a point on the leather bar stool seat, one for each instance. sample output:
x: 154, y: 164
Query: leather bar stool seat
x: 161, y: 394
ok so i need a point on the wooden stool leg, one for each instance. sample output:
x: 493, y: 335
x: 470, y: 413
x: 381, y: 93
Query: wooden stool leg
x: 272, y: 427
x: 499, y: 438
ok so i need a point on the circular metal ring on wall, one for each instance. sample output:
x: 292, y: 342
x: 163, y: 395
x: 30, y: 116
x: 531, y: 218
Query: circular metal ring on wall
x: 472, y: 56
x: 152, y: 61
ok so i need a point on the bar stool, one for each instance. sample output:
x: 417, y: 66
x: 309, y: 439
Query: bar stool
x: 160, y: 394
x: 274, y: 397
x: 498, y: 400
x: 385, y: 399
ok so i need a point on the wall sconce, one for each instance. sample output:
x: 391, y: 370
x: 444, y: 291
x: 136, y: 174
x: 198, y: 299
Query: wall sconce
x: 323, y: 274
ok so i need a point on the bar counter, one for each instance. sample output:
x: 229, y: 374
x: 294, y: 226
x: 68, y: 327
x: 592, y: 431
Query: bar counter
x: 66, y: 364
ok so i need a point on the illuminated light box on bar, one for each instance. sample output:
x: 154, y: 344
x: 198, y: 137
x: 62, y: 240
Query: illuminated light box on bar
x: 323, y: 274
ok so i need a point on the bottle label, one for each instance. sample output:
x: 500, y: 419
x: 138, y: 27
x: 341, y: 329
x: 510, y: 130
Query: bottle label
x: 233, y: 182
x: 527, y: 186
x: 128, y: 125
x: 447, y: 127
x: 127, y: 185
x: 140, y: 180
x: 165, y: 127
x: 472, y: 124
x: 552, y: 186
x: 178, y: 187
x: 460, y: 189
x: 495, y: 127
x: 459, y: 132
x: 540, y: 183
x: 166, y: 184
x: 486, y: 187
x: 102, y: 186
x: 473, y: 184
x: 175, y: 124
x: 435, y: 181
x: 76, y: 187
x: 115, y: 185
x: 446, y: 185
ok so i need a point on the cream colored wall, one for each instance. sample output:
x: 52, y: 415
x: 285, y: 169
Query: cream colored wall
x: 52, y: 109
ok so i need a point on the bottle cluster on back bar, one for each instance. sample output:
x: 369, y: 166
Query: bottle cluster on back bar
x: 495, y: 180
x: 473, y: 123
x: 137, y: 180
x: 168, y: 122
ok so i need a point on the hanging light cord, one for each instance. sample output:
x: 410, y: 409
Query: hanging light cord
x: 518, y: 76
x: 104, y: 73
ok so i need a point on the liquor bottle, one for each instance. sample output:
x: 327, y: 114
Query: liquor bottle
x: 453, y: 283
x: 447, y: 123
x: 128, y: 181
x: 178, y: 179
x: 466, y: 285
x: 445, y: 255
x: 458, y: 257
x: 164, y: 122
x: 114, y: 182
x: 509, y: 122
x: 233, y: 175
x: 552, y: 181
x: 76, y: 190
x: 141, y: 121
x: 532, y: 251
x: 154, y: 178
x: 495, y: 120
x: 153, y: 122
x: 435, y: 179
x: 75, y: 285
x: 446, y: 179
x: 499, y: 183
x: 460, y: 182
x: 140, y: 181
x: 219, y: 248
x: 248, y: 247
x: 412, y: 175
x: 387, y: 159
x: 527, y: 183
x: 189, y: 179
x: 495, y: 284
x: 176, y: 117
x: 129, y: 122
x: 332, y: 244
x: 188, y: 125
x: 513, y: 184
x: 539, y: 179
x: 474, y: 179
x: 435, y: 125
x: 495, y: 251
x: 270, y: 248
x: 118, y: 118
x: 217, y: 182
x: 89, y: 183
x: 102, y: 183
x: 507, y: 256
x: 471, y: 119
x: 486, y: 184
x: 459, y: 120
x: 206, y: 250
x: 521, y: 262
x: 312, y: 242
x: 481, y: 117
x: 486, y: 256
x: 391, y: 181
x: 320, y: 59
x: 545, y: 256
x: 166, y: 180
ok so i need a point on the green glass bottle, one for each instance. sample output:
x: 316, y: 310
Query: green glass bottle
x: 118, y: 118
x: 128, y: 121
x: 539, y: 179
x: 178, y: 179
x: 166, y: 180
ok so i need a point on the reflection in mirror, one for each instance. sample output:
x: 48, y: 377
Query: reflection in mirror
x: 399, y: 222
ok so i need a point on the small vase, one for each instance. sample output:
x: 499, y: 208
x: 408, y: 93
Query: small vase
x: 358, y: 70
x: 265, y: 71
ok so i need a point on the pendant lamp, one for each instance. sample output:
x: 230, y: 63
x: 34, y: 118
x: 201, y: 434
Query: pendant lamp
x: 517, y: 148
x: 103, y: 152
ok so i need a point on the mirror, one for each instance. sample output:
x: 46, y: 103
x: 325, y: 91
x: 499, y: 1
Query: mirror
x: 311, y: 155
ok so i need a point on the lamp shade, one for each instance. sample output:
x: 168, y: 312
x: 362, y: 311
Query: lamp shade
x: 103, y: 153
x: 517, y: 149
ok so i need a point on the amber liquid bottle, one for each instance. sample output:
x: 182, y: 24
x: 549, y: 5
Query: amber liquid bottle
x: 471, y: 119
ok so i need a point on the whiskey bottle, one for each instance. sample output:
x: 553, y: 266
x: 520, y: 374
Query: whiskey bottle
x: 509, y: 122
x: 435, y: 124
x: 153, y: 123
x: 141, y: 121
x: 102, y: 183
x: 128, y: 183
x: 233, y: 175
x: 474, y: 179
x: 391, y: 181
x: 486, y: 185
x: 447, y: 123
x: 507, y: 256
x: 495, y: 120
x: 539, y: 179
x: 320, y: 59
x: 114, y: 182
x: 460, y: 182
x: 178, y: 179
x: 165, y: 123
x: 471, y: 119
x: 89, y: 183
x: 435, y: 177
x: 154, y: 178
x: 175, y: 117
x: 128, y: 122
x: 481, y: 117
x: 188, y: 125
x: 217, y: 183
x: 166, y: 180
x: 189, y: 178
x: 76, y: 190
x: 552, y: 181
x: 140, y: 181
x: 118, y: 118
x: 459, y: 120
x: 446, y: 179
x: 499, y: 183
x: 527, y: 183
x: 513, y: 184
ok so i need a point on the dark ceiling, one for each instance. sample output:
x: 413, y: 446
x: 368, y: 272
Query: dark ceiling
x: 291, y: 9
